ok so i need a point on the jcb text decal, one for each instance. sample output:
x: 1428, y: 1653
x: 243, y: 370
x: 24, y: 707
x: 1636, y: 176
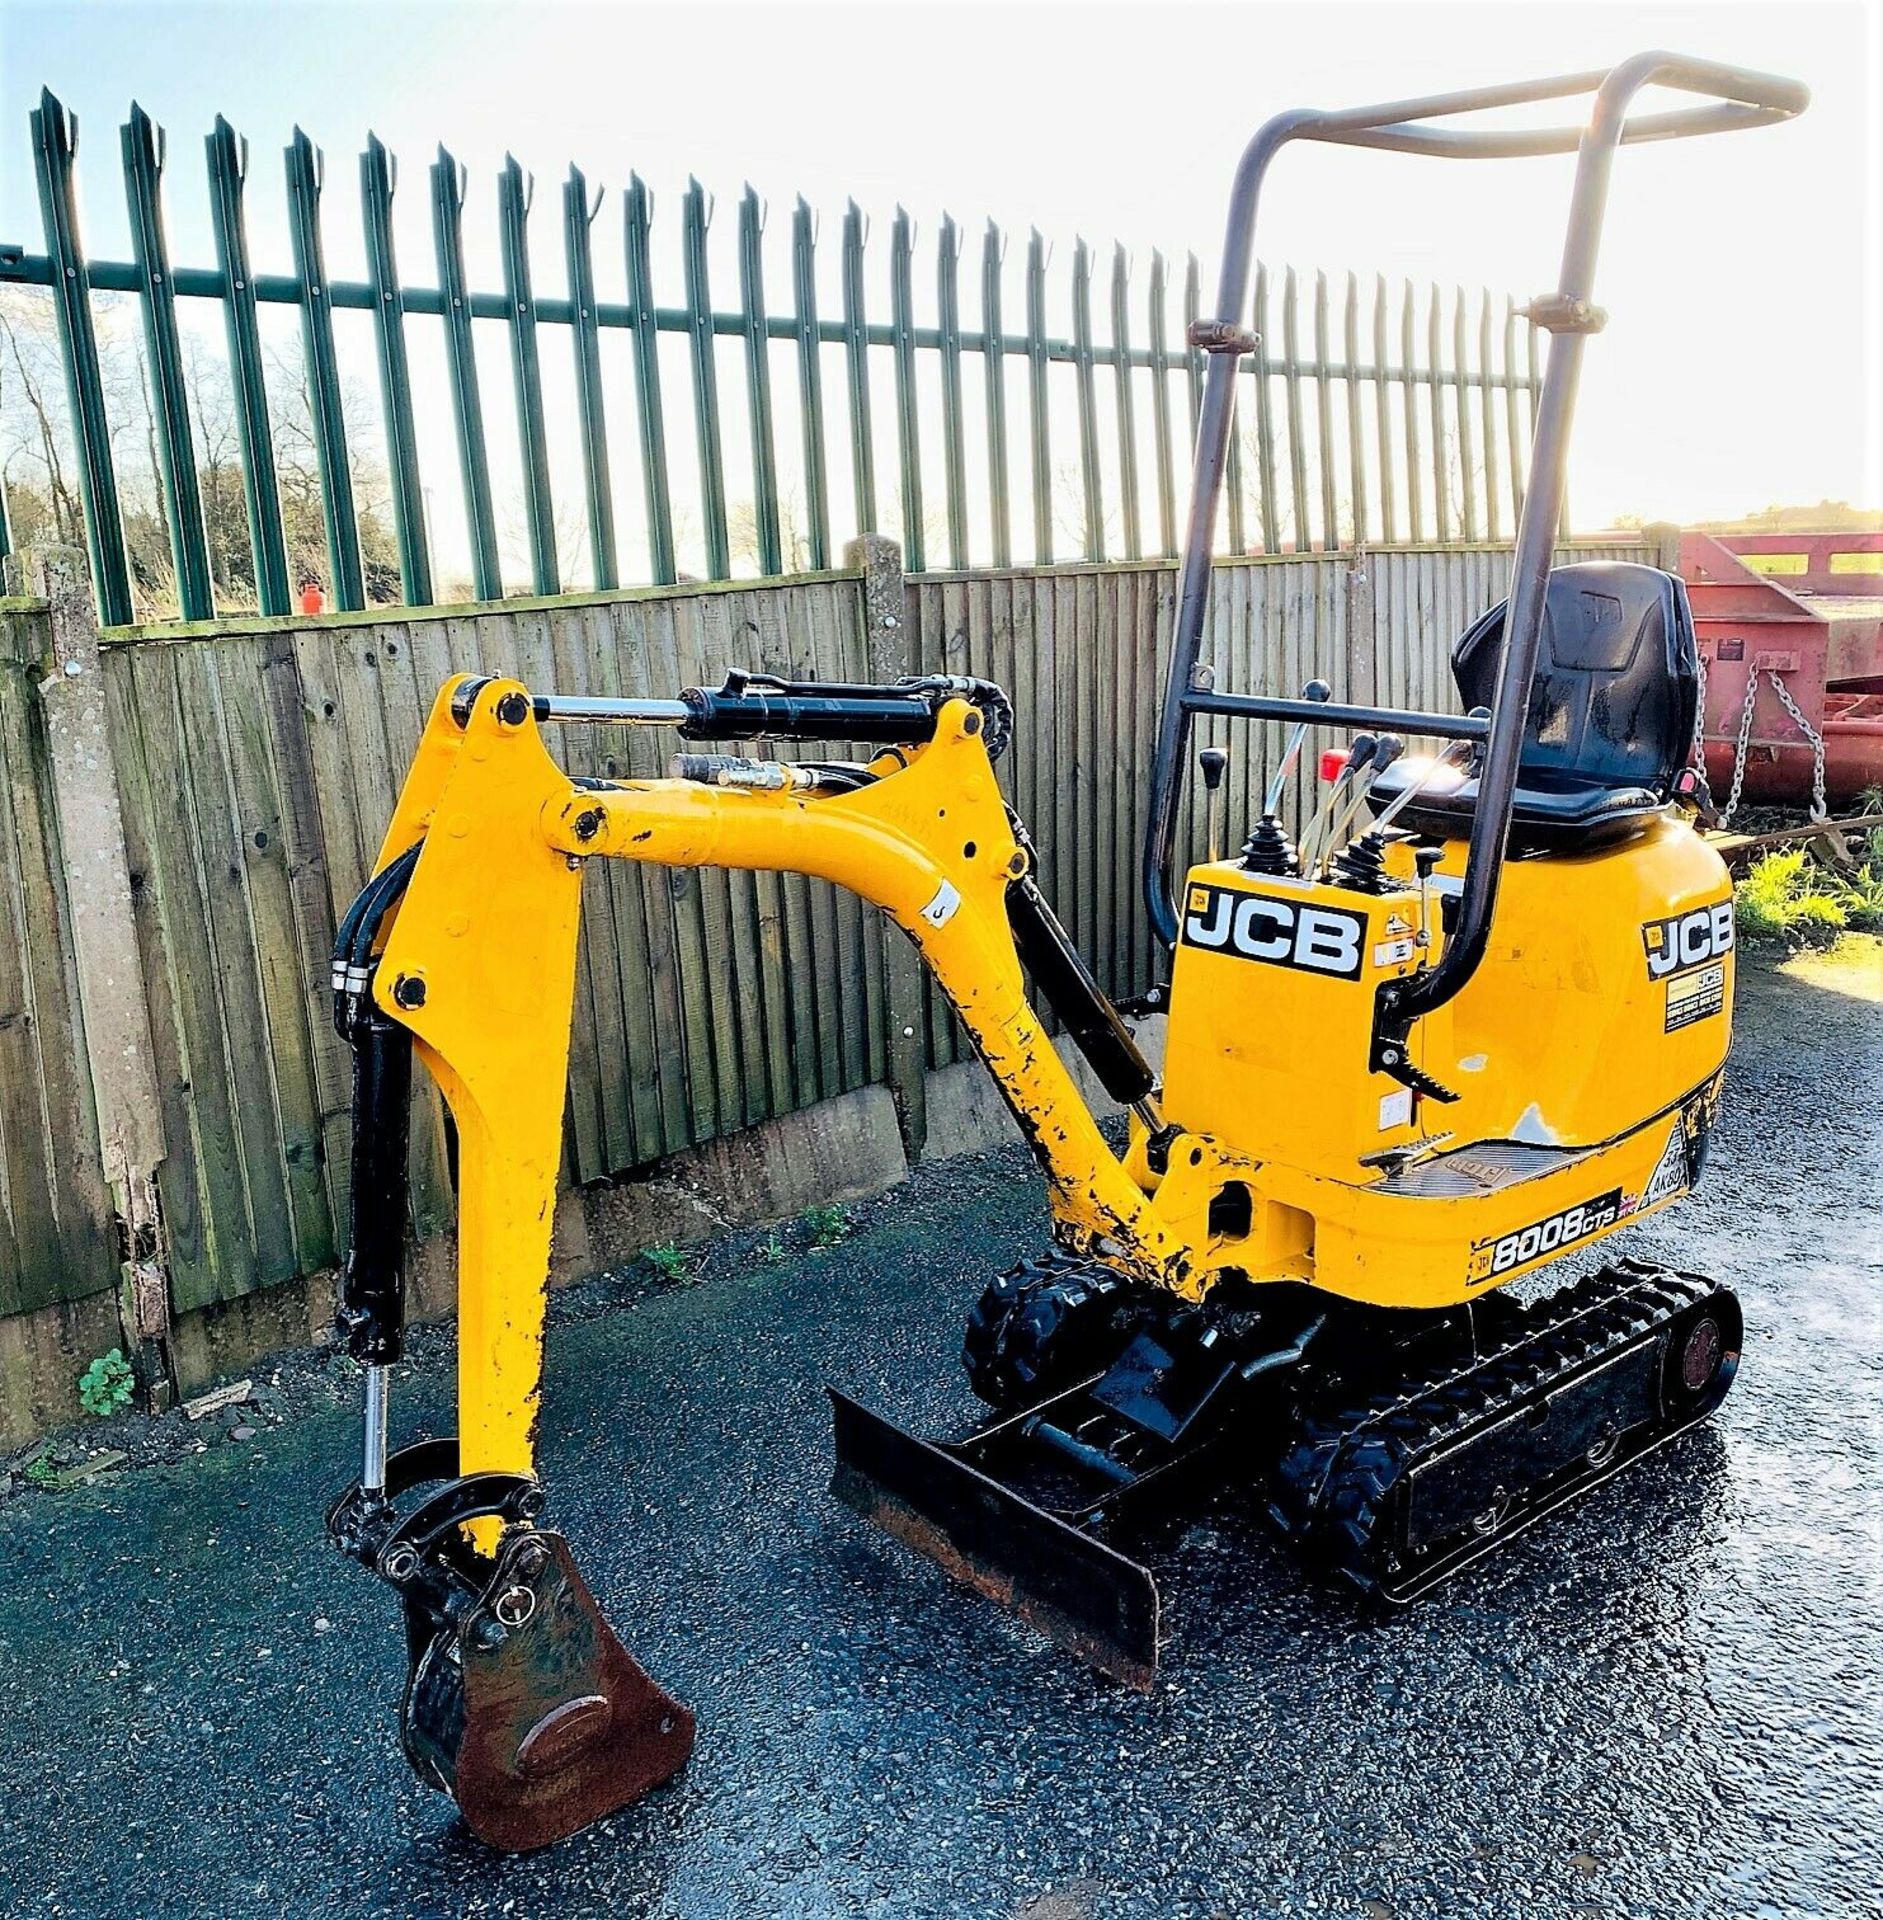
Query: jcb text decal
x: 1688, y: 939
x: 1490, y: 1259
x: 1283, y: 933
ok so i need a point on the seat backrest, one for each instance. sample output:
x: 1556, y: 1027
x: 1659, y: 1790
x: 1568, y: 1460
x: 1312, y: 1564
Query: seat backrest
x: 1617, y: 678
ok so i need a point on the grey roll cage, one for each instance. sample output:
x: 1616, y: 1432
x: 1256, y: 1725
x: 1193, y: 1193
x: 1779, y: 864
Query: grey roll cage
x: 1738, y: 99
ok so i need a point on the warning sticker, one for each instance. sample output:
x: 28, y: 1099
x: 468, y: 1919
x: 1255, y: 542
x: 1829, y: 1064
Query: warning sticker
x: 1695, y: 996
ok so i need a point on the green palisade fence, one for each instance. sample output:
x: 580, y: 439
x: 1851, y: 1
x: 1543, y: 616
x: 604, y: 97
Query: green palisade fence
x: 1369, y: 414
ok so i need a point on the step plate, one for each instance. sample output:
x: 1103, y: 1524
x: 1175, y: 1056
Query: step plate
x: 1073, y: 1588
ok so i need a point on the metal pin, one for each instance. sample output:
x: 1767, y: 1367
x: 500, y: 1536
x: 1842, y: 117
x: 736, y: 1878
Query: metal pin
x: 373, y: 1466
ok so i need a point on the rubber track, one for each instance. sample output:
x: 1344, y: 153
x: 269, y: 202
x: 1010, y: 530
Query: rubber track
x: 1334, y: 1486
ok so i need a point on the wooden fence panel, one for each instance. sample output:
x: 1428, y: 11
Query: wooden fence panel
x: 258, y: 761
x: 55, y: 1232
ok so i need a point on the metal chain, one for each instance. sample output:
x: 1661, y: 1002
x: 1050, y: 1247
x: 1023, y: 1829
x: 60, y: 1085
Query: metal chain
x: 1702, y: 786
x: 1804, y: 726
x: 1811, y: 733
x: 1739, y: 751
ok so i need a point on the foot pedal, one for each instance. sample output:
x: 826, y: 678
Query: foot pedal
x: 521, y: 1702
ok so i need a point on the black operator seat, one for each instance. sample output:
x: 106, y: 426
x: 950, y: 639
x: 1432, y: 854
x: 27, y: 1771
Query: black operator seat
x: 1610, y: 724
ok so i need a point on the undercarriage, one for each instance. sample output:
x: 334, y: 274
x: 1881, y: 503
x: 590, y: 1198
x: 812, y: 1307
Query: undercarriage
x: 1393, y: 1450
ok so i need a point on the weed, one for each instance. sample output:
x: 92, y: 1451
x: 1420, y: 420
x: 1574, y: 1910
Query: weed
x: 106, y: 1386
x: 670, y: 1261
x: 826, y: 1226
x: 1789, y: 896
x: 771, y: 1251
x: 40, y: 1471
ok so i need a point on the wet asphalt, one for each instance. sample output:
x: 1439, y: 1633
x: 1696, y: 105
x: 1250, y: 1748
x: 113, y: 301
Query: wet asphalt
x: 1665, y: 1702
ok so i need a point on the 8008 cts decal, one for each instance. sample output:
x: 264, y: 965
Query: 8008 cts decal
x: 1542, y: 1237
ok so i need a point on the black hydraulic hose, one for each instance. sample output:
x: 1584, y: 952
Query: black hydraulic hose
x: 371, y: 1313
x: 1060, y: 973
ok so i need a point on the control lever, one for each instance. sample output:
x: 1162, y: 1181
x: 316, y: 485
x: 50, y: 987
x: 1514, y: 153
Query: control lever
x: 1314, y: 690
x: 1456, y: 754
x: 1388, y: 748
x: 1215, y: 763
x: 1358, y: 754
x: 1268, y: 849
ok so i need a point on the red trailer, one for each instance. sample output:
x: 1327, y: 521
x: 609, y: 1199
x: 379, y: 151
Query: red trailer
x: 1798, y: 620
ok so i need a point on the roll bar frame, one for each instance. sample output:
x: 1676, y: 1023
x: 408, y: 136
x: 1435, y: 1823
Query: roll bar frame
x: 1737, y: 99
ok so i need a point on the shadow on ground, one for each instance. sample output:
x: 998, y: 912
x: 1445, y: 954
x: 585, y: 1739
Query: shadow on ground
x: 1665, y: 1702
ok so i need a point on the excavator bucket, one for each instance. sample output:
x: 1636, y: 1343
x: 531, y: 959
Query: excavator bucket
x: 1058, y: 1577
x: 531, y: 1714
x: 520, y: 1702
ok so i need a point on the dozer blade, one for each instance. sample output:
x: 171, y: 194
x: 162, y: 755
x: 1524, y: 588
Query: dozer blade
x: 1070, y: 1586
x: 531, y: 1713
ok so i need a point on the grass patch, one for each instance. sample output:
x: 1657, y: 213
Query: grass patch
x: 1790, y: 898
x: 825, y: 1226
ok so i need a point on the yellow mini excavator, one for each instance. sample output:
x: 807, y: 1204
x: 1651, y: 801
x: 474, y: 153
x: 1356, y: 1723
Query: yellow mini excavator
x: 1471, y: 1015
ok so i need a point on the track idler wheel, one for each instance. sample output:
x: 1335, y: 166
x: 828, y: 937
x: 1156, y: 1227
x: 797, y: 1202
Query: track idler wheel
x: 1043, y: 1325
x: 520, y: 1702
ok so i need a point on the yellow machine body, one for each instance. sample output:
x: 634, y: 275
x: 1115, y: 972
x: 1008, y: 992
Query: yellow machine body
x: 1586, y: 1054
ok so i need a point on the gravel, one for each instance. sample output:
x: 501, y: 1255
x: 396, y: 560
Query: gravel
x: 1666, y: 1701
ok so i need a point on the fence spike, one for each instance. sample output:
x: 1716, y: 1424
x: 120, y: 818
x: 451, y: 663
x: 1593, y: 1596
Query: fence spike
x: 857, y: 367
x: 1356, y: 426
x: 1441, y: 476
x: 1324, y: 420
x: 637, y: 220
x: 758, y: 391
x: 1512, y: 433
x: 1487, y: 417
x: 578, y: 218
x: 1291, y: 376
x: 379, y: 179
x: 1383, y: 411
x: 948, y: 344
x: 1415, y: 459
x: 810, y: 379
x: 226, y: 153
x: 306, y: 173
x: 145, y: 149
x: 696, y: 215
x: 449, y: 181
x: 1261, y: 361
x: 908, y: 433
x: 1157, y: 295
x: 1461, y: 397
x: 516, y: 193
x: 994, y: 352
x: 1086, y: 388
x: 1127, y: 417
x: 1038, y: 419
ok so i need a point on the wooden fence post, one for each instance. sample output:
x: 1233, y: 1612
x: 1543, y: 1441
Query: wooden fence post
x: 905, y: 1013
x: 115, y: 1016
x: 1362, y: 639
x: 1664, y: 537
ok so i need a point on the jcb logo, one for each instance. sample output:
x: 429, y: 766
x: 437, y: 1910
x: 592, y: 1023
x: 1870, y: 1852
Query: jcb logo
x: 1319, y: 939
x: 1688, y: 939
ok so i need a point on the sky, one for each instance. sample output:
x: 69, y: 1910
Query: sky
x: 1740, y: 367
